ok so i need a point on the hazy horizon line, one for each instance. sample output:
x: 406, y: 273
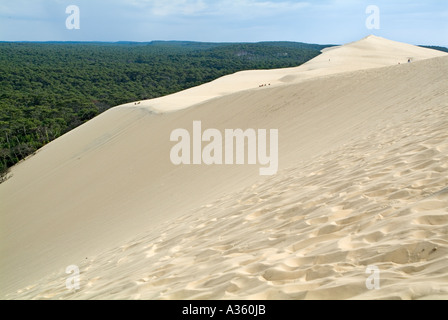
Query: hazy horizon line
x: 193, y: 41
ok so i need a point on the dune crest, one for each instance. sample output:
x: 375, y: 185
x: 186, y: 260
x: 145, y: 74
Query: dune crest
x: 369, y: 52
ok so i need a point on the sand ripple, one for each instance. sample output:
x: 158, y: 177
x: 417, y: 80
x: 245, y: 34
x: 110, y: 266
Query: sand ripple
x: 307, y: 233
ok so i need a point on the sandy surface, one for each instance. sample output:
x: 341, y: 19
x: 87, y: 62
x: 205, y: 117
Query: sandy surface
x: 363, y: 181
x: 370, y: 52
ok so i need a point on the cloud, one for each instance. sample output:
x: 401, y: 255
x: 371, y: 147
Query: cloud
x: 223, y: 20
x: 23, y: 9
x: 216, y: 7
x: 169, y: 8
x: 254, y: 8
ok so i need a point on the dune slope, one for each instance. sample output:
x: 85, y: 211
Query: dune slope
x: 370, y: 52
x: 363, y: 162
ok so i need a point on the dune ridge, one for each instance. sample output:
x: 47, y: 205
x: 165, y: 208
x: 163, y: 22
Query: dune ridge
x: 370, y: 52
x: 362, y: 181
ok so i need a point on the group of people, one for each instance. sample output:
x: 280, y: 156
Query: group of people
x: 264, y: 85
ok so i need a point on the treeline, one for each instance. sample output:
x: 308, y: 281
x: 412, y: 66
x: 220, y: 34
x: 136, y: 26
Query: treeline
x: 443, y: 49
x: 48, y: 89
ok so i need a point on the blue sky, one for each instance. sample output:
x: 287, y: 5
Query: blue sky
x: 321, y: 21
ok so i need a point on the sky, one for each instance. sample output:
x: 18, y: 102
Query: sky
x: 321, y: 21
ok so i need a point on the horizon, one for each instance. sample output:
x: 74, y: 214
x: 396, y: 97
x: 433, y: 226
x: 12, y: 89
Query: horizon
x: 223, y: 21
x: 153, y: 41
x: 187, y: 41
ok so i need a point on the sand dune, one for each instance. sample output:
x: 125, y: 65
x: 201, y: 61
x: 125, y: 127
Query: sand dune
x: 363, y: 181
x: 370, y: 52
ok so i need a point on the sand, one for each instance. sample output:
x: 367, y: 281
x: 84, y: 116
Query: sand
x: 362, y: 181
x: 370, y: 52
